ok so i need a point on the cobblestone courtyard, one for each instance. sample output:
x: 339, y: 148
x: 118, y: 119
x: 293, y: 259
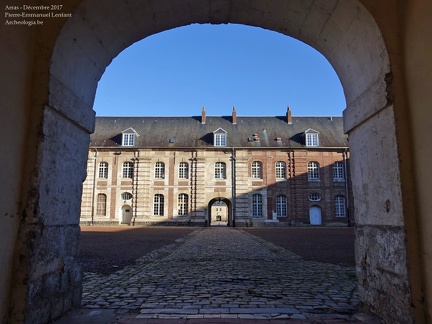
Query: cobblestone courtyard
x: 228, y: 274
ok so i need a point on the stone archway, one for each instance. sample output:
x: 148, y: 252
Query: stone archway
x: 227, y: 214
x: 343, y: 31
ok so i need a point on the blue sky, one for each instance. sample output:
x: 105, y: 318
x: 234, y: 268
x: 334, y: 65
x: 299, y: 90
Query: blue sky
x: 260, y: 72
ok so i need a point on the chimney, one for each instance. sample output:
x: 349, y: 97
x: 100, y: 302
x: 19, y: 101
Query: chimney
x: 203, y: 116
x: 288, y: 115
x: 234, y: 116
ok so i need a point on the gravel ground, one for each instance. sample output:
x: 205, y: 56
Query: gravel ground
x: 106, y: 249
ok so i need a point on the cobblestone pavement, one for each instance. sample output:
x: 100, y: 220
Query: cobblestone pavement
x: 226, y: 274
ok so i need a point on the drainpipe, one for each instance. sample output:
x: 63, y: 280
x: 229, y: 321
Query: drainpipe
x: 346, y: 188
x: 94, y: 187
x: 135, y: 160
x: 233, y: 185
x: 193, y: 184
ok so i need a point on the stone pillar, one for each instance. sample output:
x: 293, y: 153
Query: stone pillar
x: 242, y: 216
x: 87, y: 200
x: 146, y: 206
x: 381, y: 255
x: 50, y: 276
x: 199, y: 214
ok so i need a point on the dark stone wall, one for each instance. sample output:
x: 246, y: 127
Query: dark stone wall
x: 382, y: 271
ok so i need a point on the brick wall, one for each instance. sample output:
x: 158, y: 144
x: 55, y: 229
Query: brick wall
x: 201, y: 186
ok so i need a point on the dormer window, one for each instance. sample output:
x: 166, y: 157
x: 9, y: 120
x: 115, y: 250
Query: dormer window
x: 220, y: 137
x: 312, y: 137
x: 129, y: 137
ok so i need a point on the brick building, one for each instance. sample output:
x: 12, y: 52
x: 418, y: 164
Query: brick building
x: 244, y: 171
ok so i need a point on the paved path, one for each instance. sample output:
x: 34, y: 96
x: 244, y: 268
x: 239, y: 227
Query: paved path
x: 225, y: 273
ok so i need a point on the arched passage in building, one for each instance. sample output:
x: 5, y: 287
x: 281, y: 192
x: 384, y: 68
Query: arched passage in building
x: 70, y: 61
x: 220, y: 212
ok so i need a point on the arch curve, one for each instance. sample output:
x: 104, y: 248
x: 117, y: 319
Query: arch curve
x: 227, y: 202
x: 343, y: 31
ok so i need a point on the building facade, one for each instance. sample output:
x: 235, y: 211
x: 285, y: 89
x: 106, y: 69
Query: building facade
x: 381, y: 53
x: 240, y: 171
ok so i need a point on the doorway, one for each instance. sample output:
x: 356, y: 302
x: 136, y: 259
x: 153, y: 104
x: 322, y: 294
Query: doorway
x: 126, y: 214
x: 315, y: 215
x: 220, y: 212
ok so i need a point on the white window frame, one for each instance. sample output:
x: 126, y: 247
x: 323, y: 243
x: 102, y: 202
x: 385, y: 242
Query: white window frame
x: 313, y: 171
x: 340, y: 206
x: 158, y: 205
x: 183, y: 170
x: 312, y: 139
x: 281, y: 206
x: 159, y: 171
x: 220, y: 170
x: 128, y: 169
x: 256, y: 170
x: 220, y: 139
x: 101, y: 204
x: 257, y: 205
x: 126, y: 195
x: 183, y: 202
x: 338, y: 171
x: 103, y: 170
x: 280, y: 170
x: 128, y: 139
x: 314, y: 197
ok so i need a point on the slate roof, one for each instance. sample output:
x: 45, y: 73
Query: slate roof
x: 188, y: 132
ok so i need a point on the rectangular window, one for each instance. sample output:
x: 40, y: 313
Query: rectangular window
x: 183, y: 170
x: 128, y: 139
x: 128, y: 170
x: 103, y: 170
x: 280, y: 170
x: 281, y: 206
x: 160, y: 170
x: 338, y: 171
x: 340, y: 209
x: 257, y: 207
x: 313, y: 171
x: 101, y: 205
x: 158, y: 205
x: 220, y: 170
x: 311, y: 139
x: 220, y: 139
x: 256, y: 170
x: 183, y: 204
